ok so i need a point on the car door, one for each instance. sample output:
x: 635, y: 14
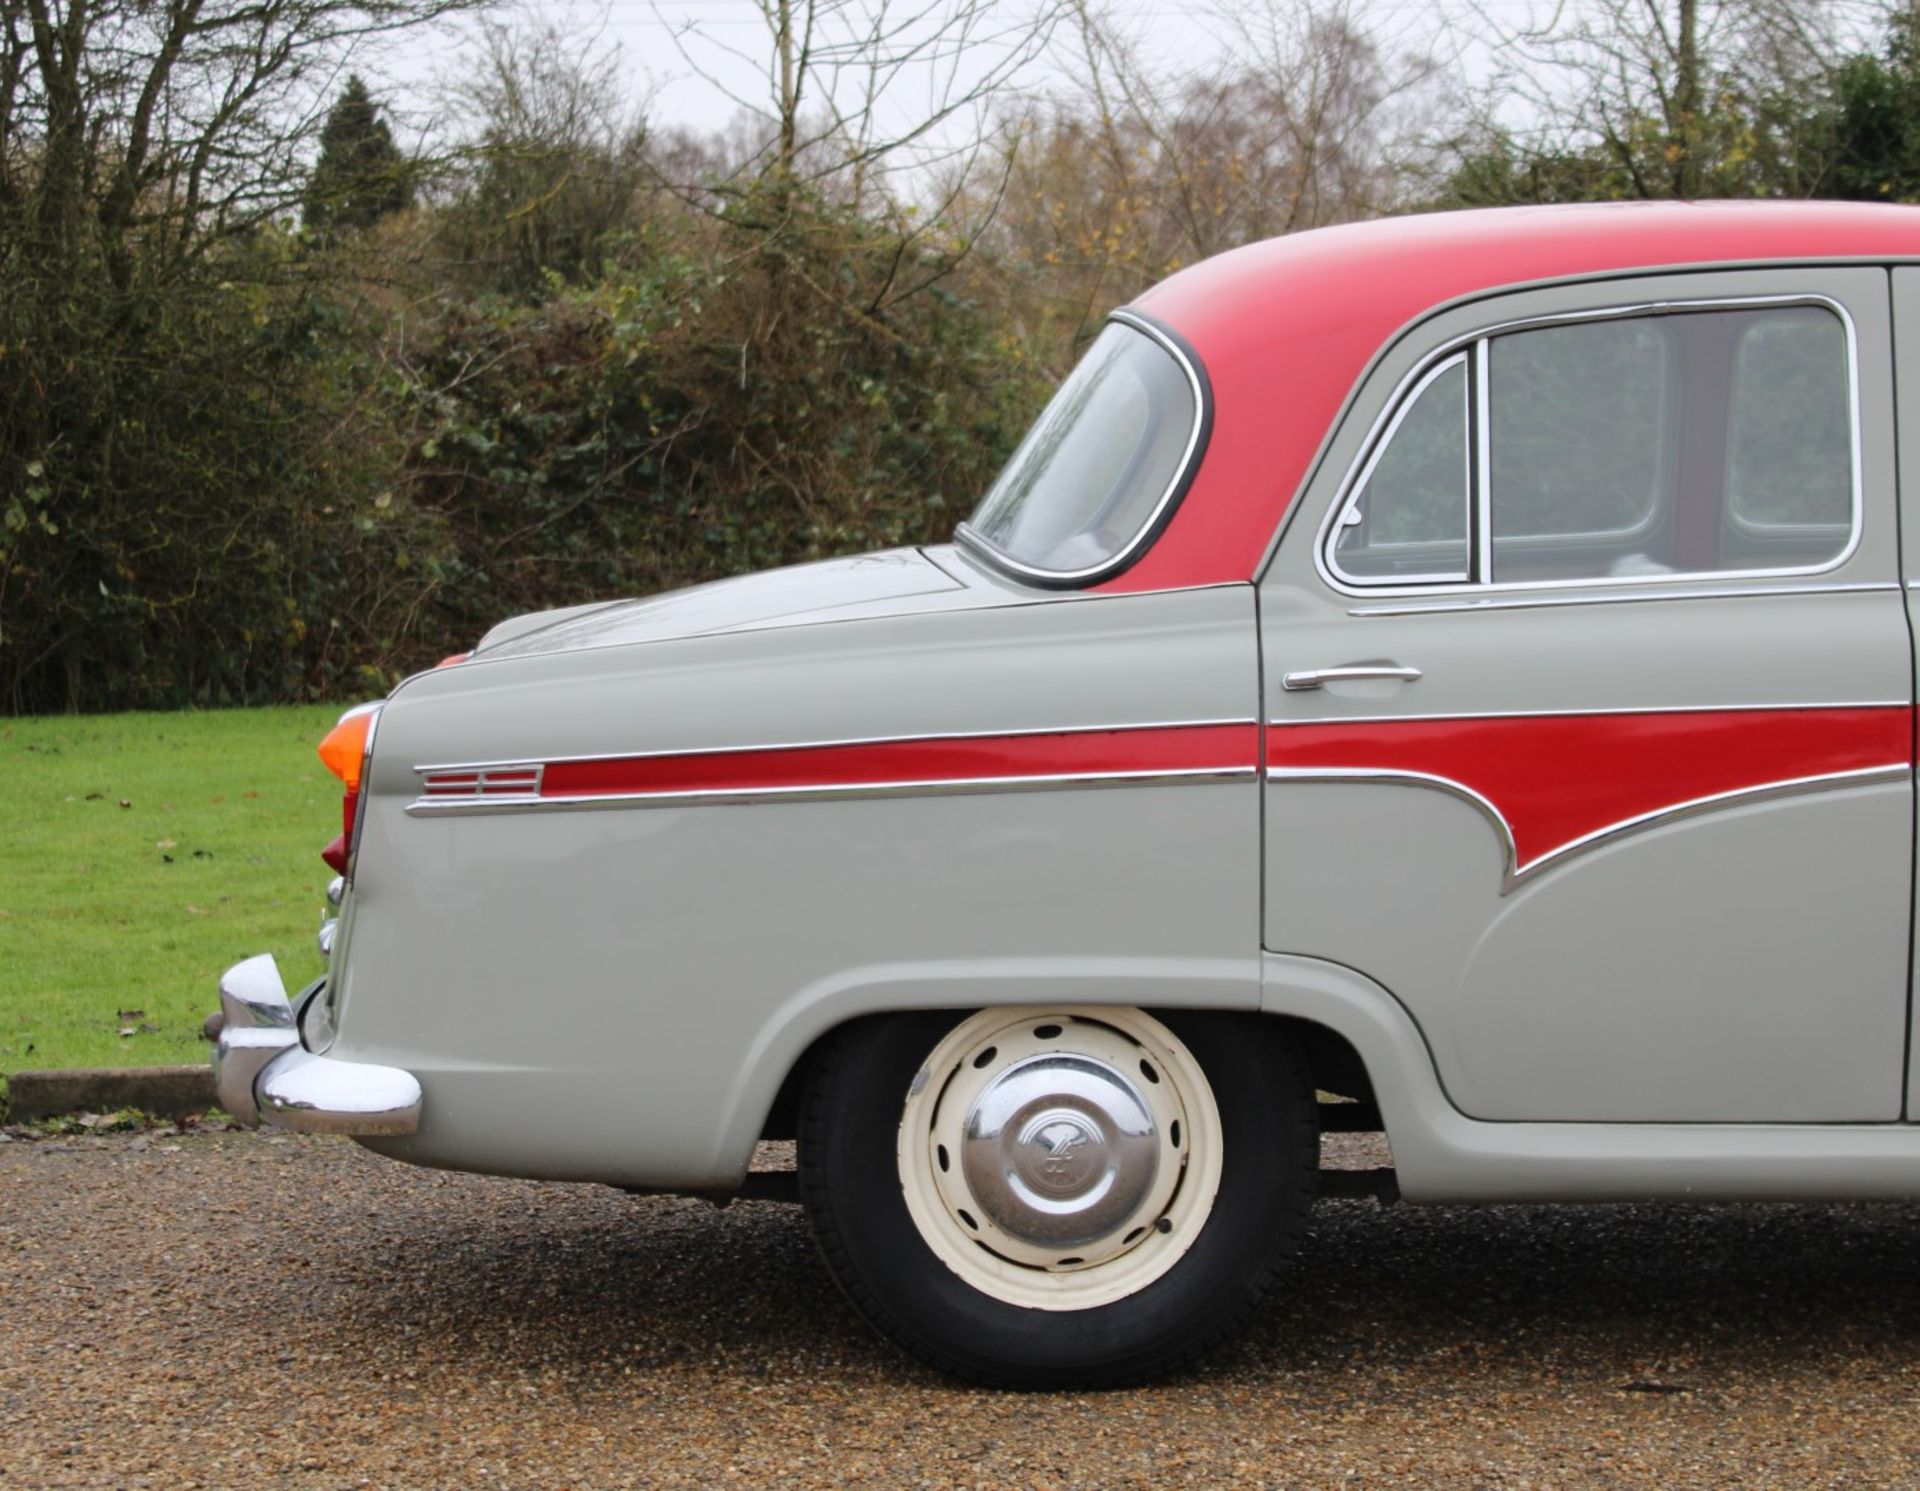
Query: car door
x: 1906, y: 341
x: 1589, y: 691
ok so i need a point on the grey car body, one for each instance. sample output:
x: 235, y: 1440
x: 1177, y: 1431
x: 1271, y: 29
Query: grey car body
x: 1705, y: 995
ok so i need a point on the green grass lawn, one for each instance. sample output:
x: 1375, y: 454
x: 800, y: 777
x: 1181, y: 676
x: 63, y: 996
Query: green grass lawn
x: 144, y: 854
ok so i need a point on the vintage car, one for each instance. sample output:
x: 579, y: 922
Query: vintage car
x: 1451, y: 675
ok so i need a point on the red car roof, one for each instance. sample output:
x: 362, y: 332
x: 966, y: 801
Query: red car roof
x: 1287, y: 326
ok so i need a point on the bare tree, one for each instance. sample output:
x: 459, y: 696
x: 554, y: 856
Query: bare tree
x: 860, y: 92
x: 154, y: 129
x: 1296, y: 118
x: 1660, y: 98
x: 550, y: 164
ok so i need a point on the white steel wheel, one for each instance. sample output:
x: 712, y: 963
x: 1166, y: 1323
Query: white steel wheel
x: 1057, y: 1196
x: 1060, y: 1158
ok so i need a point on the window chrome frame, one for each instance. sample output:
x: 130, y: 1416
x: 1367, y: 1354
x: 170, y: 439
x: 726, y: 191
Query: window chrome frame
x: 1188, y: 361
x: 1481, y: 443
x: 1465, y: 360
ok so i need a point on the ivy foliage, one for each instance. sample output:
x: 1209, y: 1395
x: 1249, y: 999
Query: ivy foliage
x: 279, y: 486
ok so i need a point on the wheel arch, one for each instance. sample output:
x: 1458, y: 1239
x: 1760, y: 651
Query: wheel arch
x: 1304, y: 996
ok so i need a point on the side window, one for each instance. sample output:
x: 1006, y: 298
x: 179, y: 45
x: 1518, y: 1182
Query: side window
x: 1409, y: 519
x: 1681, y: 442
x: 1789, y: 440
x: 1579, y: 445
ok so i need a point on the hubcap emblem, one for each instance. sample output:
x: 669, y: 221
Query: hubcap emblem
x: 1058, y: 1154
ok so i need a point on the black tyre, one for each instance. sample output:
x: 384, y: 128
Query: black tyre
x: 1056, y: 1197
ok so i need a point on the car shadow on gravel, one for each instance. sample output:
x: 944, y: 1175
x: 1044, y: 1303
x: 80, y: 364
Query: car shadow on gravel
x: 1658, y: 1299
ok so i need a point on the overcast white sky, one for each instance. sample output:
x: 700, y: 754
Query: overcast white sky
x: 1179, y: 38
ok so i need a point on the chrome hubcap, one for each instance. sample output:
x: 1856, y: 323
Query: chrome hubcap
x: 1059, y: 1158
x: 1061, y: 1151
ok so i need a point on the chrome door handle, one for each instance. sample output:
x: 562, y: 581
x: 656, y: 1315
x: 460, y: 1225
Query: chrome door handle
x: 1313, y: 678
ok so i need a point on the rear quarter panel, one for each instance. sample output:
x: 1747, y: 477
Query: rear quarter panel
x: 616, y: 993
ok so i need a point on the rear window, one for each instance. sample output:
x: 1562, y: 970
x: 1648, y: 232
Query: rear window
x: 1100, y: 466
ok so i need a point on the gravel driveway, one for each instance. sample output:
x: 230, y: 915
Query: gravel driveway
x: 239, y: 1310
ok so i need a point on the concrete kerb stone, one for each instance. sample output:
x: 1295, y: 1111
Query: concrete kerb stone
x: 162, y: 1091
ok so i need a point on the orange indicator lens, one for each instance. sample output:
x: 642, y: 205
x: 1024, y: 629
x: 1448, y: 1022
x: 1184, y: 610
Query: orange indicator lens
x: 345, y: 749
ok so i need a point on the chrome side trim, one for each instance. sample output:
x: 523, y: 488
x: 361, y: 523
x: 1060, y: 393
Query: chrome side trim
x: 1480, y: 540
x: 438, y: 807
x: 968, y: 537
x: 1514, y: 874
x: 1524, y: 602
x: 1376, y: 434
x: 849, y: 740
x: 482, y: 781
x: 1581, y: 714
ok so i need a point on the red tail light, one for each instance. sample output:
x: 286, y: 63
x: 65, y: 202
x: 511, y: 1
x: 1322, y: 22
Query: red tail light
x: 344, y: 752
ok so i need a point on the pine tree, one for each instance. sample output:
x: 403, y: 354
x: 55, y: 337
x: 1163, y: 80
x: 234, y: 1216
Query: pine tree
x: 361, y: 175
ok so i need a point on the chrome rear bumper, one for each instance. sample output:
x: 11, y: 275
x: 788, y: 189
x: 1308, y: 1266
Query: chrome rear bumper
x: 264, y: 1075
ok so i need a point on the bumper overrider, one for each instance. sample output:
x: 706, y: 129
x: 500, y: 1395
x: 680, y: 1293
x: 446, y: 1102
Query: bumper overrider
x: 264, y: 1075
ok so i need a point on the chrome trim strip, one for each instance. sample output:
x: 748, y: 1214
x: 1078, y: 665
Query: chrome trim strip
x: 1480, y: 540
x: 1553, y: 714
x: 1525, y: 602
x: 851, y: 740
x: 482, y: 781
x: 1515, y: 874
x: 437, y: 807
x: 1375, y: 435
x: 970, y: 537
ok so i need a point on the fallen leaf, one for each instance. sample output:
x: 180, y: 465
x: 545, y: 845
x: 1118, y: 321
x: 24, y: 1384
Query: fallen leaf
x: 165, y: 844
x: 216, y: 799
x: 126, y: 1030
x: 249, y: 794
x: 126, y: 802
x: 95, y: 796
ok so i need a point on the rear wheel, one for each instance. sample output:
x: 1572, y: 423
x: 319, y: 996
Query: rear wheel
x: 1053, y: 1196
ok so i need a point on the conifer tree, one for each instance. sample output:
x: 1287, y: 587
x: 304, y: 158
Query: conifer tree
x: 361, y: 175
